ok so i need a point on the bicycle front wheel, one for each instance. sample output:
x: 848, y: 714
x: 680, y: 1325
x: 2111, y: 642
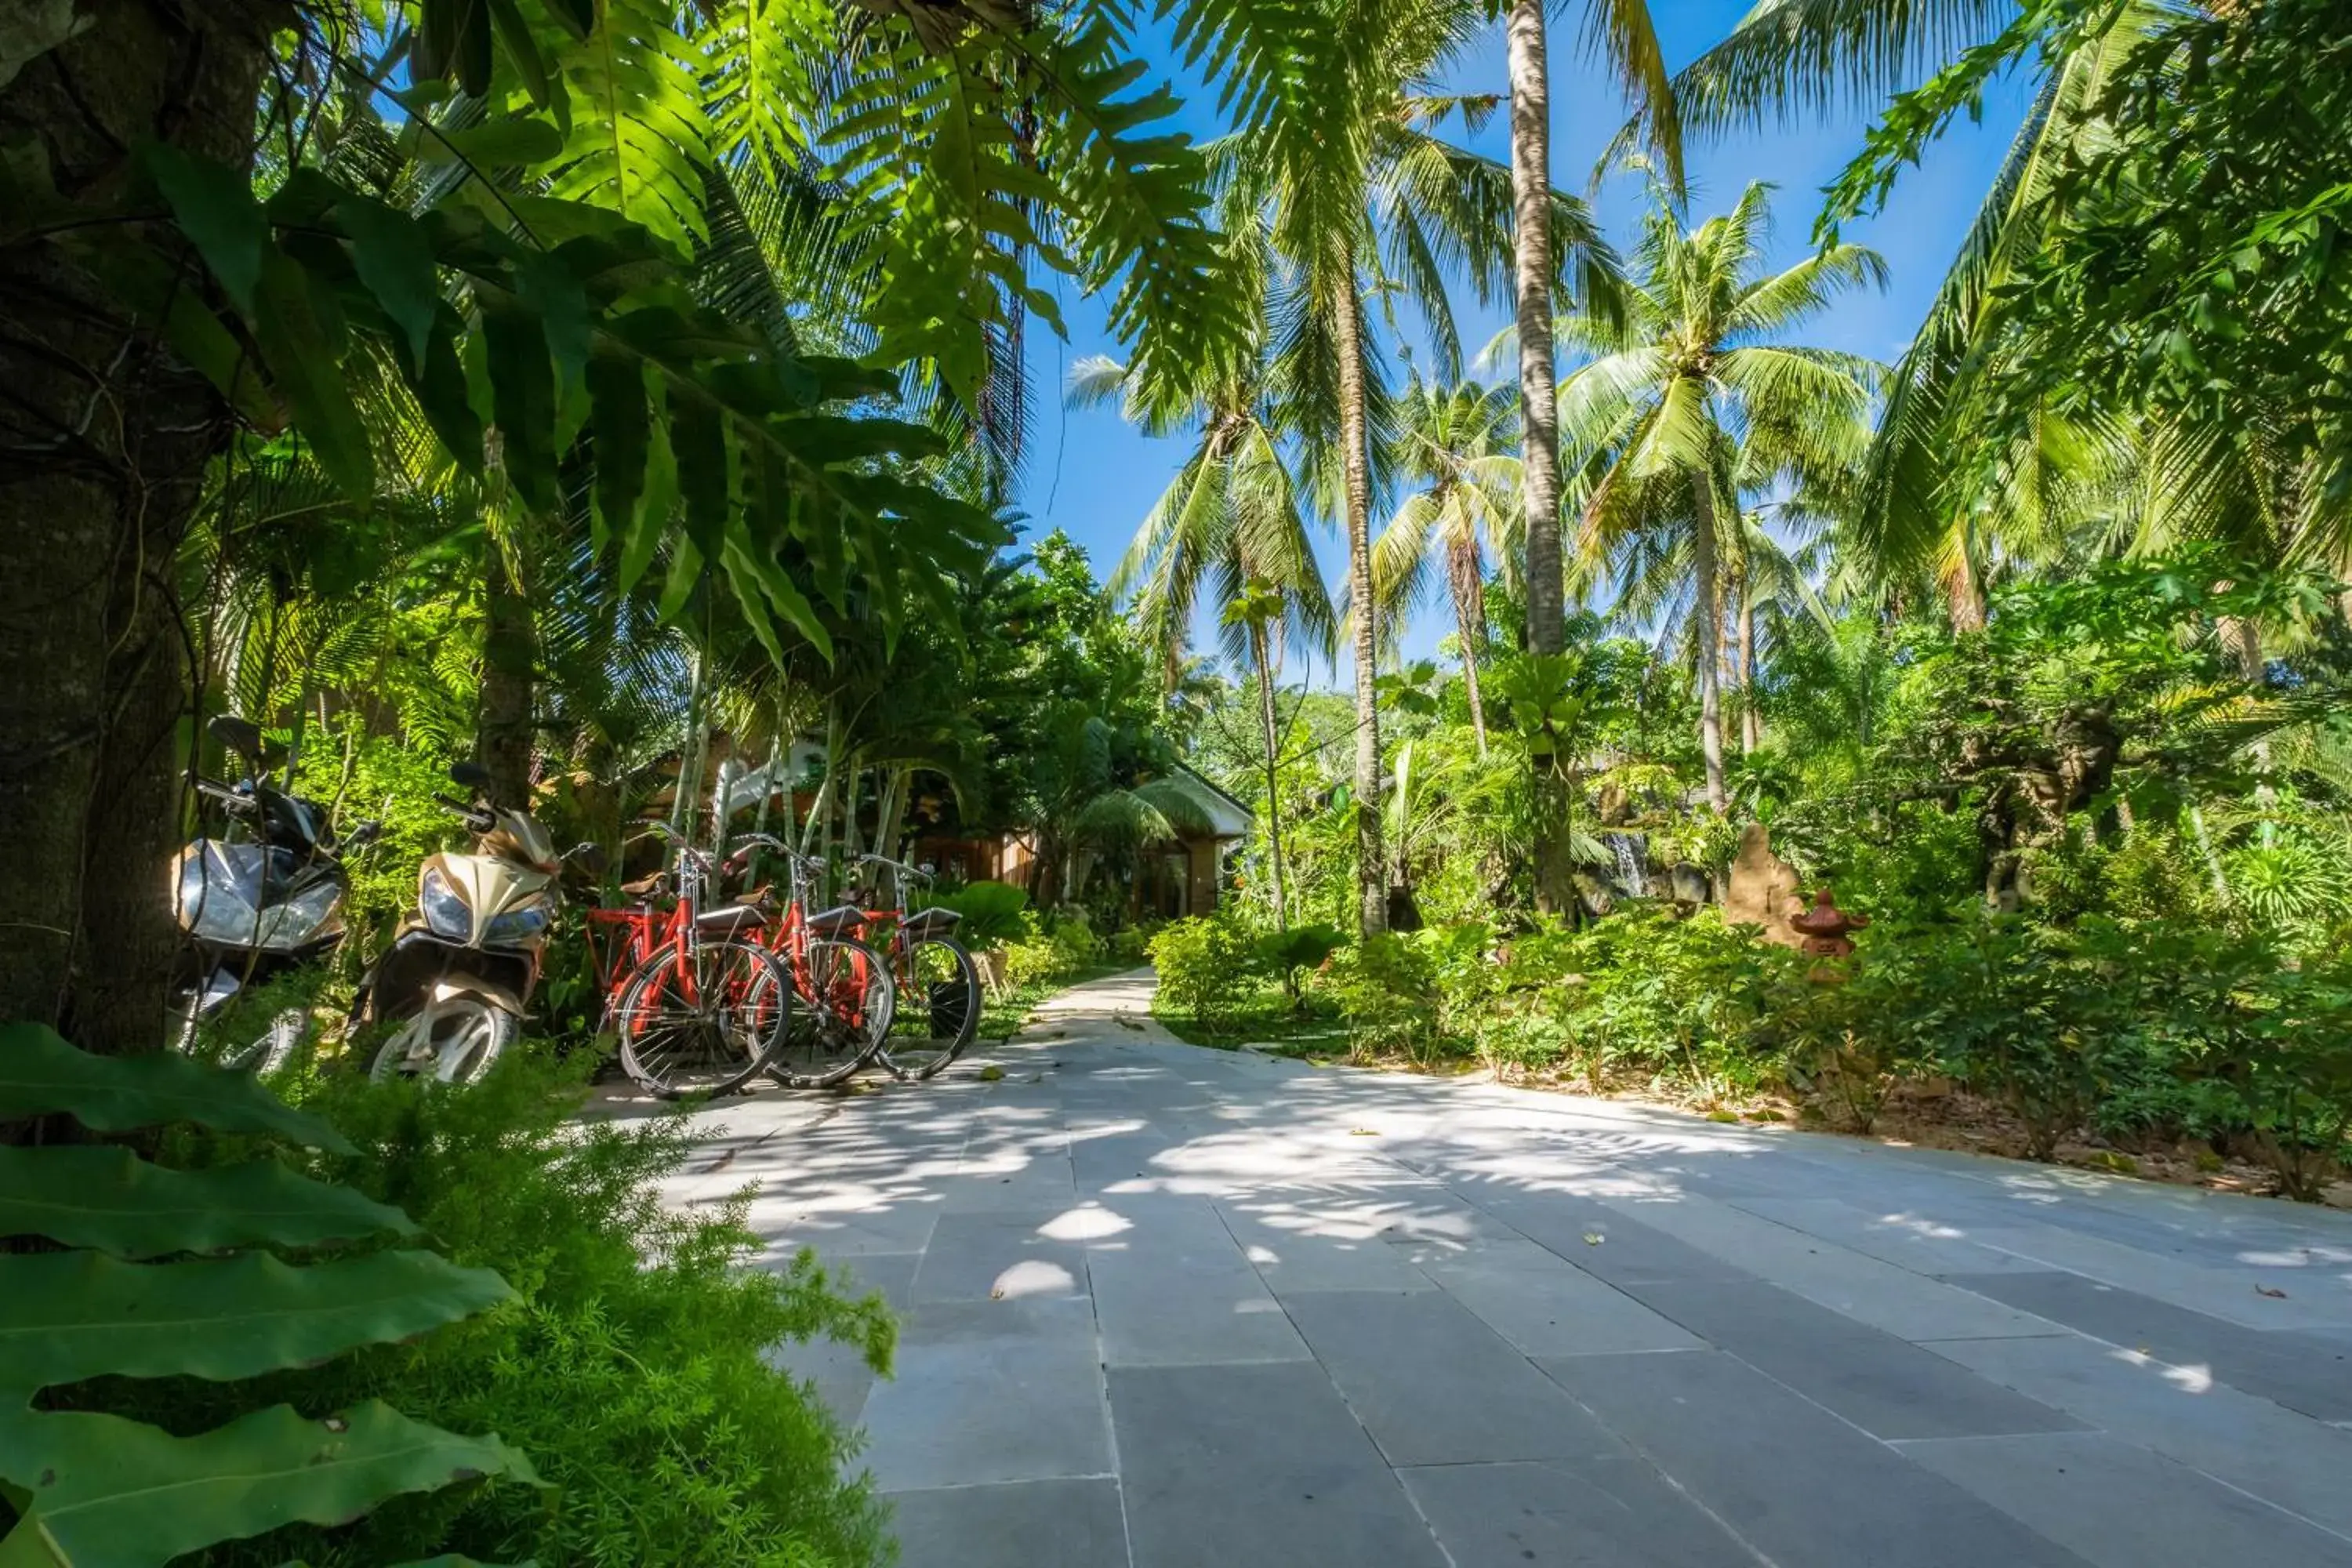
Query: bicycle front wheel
x: 843, y: 1003
x: 702, y: 1021
x: 939, y: 1007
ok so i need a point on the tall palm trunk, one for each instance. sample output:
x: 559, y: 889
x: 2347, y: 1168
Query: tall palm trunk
x: 1467, y: 584
x: 1261, y: 652
x: 1963, y: 592
x: 1703, y: 565
x: 1530, y: 78
x: 510, y: 652
x: 1751, y: 723
x: 104, y: 436
x: 1371, y: 866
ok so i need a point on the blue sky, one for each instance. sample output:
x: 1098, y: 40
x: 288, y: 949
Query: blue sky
x: 1090, y: 474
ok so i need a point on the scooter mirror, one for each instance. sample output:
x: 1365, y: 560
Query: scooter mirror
x: 242, y: 736
x: 589, y: 858
x: 473, y: 776
x: 365, y: 834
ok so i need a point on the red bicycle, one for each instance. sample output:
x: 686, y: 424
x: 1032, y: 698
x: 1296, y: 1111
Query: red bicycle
x: 931, y: 971
x: 846, y: 992
x: 698, y: 1006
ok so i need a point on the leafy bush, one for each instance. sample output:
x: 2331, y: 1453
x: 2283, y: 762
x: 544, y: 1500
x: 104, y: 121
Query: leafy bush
x: 1286, y: 953
x: 632, y: 1364
x: 1206, y: 967
x: 993, y: 913
x: 1386, y: 988
x: 92, y: 1486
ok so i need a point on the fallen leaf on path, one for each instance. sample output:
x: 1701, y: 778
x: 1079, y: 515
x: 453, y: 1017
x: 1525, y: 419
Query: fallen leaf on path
x: 991, y: 1073
x: 2266, y: 1291
x: 1363, y: 1132
x: 1593, y: 1238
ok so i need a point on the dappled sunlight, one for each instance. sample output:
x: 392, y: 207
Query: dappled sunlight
x: 2187, y: 1379
x: 1033, y: 1277
x: 1088, y: 1222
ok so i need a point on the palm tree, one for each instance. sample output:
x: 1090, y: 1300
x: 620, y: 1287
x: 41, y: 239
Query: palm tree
x: 1452, y: 447
x: 1692, y: 401
x: 1230, y: 517
x: 1356, y: 198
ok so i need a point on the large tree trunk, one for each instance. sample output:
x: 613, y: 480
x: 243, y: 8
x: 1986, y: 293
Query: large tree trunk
x: 510, y: 659
x: 1963, y: 594
x: 1709, y: 639
x: 1262, y: 655
x: 1371, y: 866
x: 104, y: 436
x: 1751, y: 723
x: 1530, y: 76
x: 1468, y: 586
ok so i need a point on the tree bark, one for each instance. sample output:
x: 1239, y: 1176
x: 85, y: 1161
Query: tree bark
x: 1469, y: 592
x: 510, y: 661
x: 1262, y: 656
x: 1531, y: 78
x: 1963, y: 595
x: 104, y: 436
x: 1372, y: 864
x: 1709, y: 639
x: 1751, y: 724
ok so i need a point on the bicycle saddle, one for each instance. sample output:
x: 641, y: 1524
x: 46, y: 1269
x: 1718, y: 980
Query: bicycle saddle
x: 730, y: 920
x: 834, y: 921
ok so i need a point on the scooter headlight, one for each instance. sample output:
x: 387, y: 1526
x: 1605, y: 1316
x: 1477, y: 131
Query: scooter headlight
x: 286, y: 926
x: 515, y: 927
x: 446, y: 913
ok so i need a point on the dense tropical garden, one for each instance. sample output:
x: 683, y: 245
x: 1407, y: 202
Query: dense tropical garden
x: 628, y: 404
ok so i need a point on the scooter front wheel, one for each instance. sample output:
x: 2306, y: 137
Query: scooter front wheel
x: 273, y: 1050
x: 455, y: 1039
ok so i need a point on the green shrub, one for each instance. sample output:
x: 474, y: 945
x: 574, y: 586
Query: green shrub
x: 1075, y: 945
x: 90, y: 1484
x: 1206, y: 967
x: 1286, y: 953
x: 993, y: 913
x: 1386, y: 988
x: 632, y: 1366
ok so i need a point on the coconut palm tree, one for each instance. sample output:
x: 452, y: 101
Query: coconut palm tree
x: 1453, y: 448
x: 1232, y: 520
x: 1339, y: 164
x: 1694, y: 399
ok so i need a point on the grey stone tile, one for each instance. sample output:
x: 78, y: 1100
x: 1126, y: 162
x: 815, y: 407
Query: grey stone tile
x: 1256, y: 1467
x: 2304, y: 1372
x: 838, y: 1371
x: 1794, y: 1481
x: 2313, y: 1297
x: 1543, y: 1304
x: 844, y: 1221
x: 1627, y: 1250
x: 1885, y: 1386
x: 1916, y: 1239
x: 989, y: 1391
x: 1018, y: 1525
x: 1323, y: 1241
x: 2251, y: 1443
x: 1608, y: 1510
x: 1435, y: 1386
x: 983, y: 1257
x: 1888, y: 1298
x: 2118, y: 1506
x: 1173, y: 1290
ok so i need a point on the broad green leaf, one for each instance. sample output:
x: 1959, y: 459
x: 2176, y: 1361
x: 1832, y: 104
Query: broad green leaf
x: 394, y: 259
x: 442, y: 392
x: 214, y: 206
x: 515, y: 141
x: 699, y: 439
x: 112, y: 1493
x: 66, y: 1316
x: 92, y: 1194
x: 523, y: 397
x: 297, y: 349
x: 522, y: 49
x: 42, y: 1075
x: 549, y: 288
x: 685, y: 576
x: 654, y: 511
x: 618, y: 390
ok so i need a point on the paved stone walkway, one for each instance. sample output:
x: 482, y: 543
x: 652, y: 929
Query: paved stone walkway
x: 1166, y: 1307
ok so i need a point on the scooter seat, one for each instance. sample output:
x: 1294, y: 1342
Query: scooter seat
x: 730, y: 920
x: 833, y: 922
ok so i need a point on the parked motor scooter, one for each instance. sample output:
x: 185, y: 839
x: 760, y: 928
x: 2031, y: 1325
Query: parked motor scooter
x: 462, y: 964
x: 256, y: 905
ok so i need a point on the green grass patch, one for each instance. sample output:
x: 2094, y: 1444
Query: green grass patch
x: 1264, y: 1015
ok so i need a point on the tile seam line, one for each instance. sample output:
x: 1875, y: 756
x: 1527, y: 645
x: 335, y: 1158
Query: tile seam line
x: 1102, y: 1377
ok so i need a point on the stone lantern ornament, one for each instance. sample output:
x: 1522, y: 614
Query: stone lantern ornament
x: 1824, y: 928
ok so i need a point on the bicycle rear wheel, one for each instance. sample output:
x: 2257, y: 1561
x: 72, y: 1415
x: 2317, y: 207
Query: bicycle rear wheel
x: 843, y: 1002
x: 939, y: 1011
x: 704, y: 1021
